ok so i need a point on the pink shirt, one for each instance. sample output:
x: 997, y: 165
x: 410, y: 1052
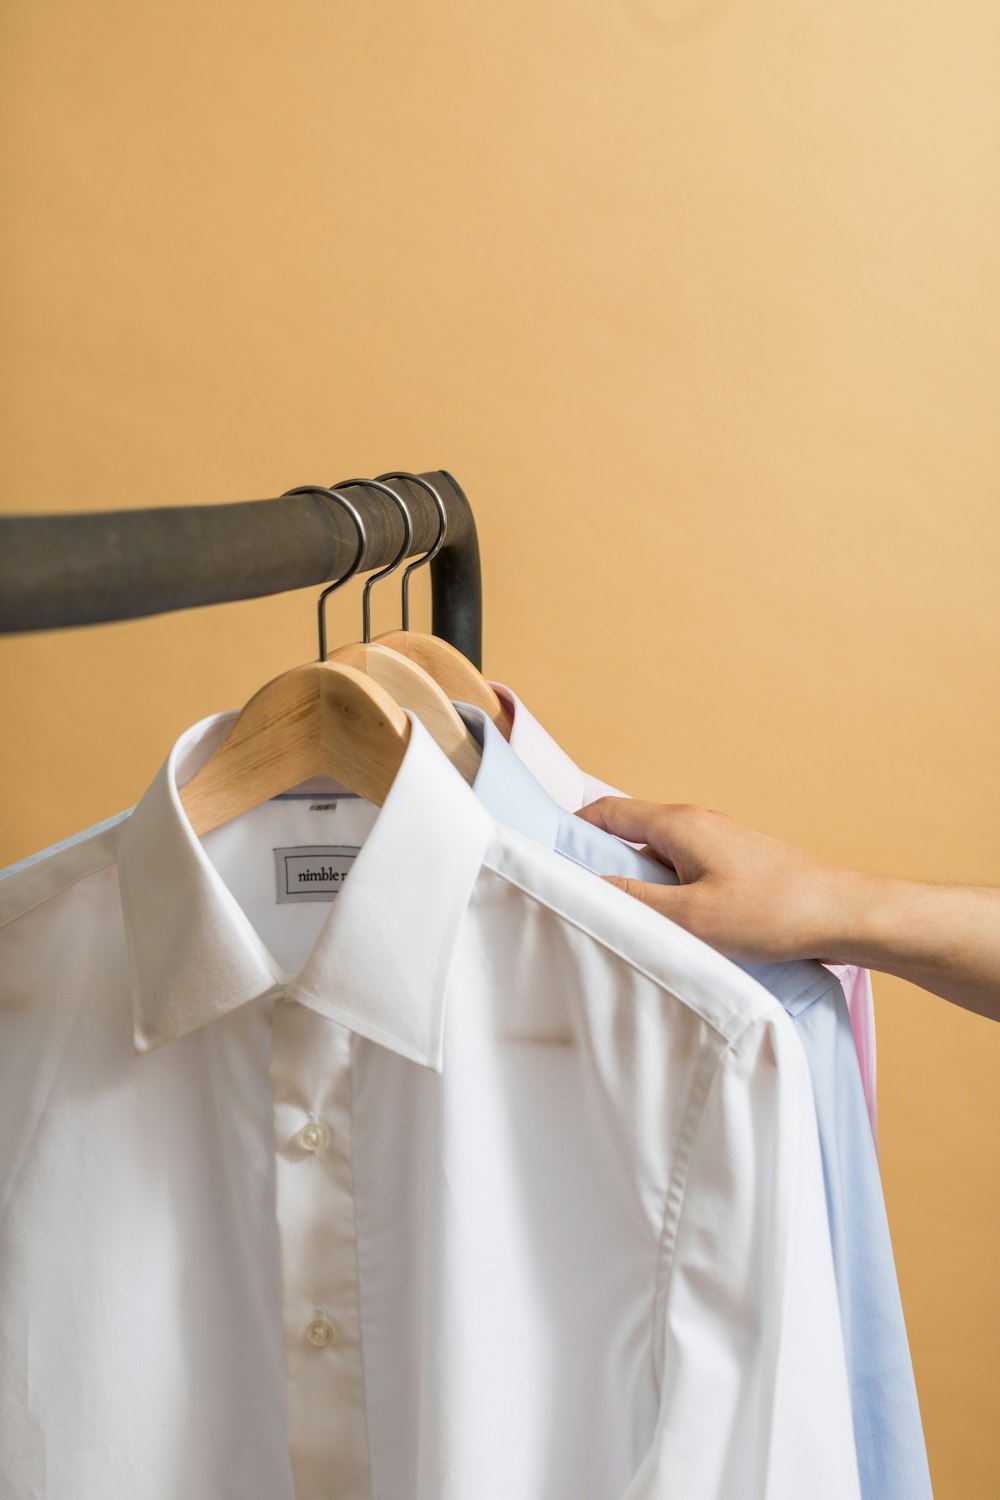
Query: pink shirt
x: 572, y: 788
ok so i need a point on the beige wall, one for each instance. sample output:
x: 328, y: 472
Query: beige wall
x: 699, y: 301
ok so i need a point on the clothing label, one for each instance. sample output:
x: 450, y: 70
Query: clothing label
x: 312, y: 872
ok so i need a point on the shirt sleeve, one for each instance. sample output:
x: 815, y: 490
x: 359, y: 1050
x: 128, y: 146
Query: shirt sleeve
x: 754, y: 1401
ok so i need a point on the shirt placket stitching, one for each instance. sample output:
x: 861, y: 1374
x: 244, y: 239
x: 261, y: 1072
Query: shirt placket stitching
x: 312, y: 1227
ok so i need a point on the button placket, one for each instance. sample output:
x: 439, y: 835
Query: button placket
x: 314, y: 1202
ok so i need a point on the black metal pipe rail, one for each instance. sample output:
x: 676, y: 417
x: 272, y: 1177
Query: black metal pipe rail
x: 84, y: 569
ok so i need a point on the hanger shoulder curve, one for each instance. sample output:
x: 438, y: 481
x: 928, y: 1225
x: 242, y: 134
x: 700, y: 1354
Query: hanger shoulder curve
x: 453, y: 672
x: 317, y: 719
x: 416, y: 690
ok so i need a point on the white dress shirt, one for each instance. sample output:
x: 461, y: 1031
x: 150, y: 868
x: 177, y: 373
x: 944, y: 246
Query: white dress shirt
x: 350, y: 1154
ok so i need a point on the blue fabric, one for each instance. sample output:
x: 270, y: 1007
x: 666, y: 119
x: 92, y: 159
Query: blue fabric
x: 892, y: 1459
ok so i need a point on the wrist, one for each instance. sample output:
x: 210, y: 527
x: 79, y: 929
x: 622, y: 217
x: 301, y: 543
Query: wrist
x: 855, y: 917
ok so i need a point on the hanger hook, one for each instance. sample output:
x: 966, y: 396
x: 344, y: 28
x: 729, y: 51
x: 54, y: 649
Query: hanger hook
x: 359, y: 526
x: 366, y: 608
x: 421, y: 562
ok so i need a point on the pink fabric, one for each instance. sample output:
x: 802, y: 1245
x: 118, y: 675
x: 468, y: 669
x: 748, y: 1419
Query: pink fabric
x: 547, y: 761
x: 572, y: 788
x: 857, y: 986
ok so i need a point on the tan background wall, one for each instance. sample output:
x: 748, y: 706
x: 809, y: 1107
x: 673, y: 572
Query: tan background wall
x: 699, y: 301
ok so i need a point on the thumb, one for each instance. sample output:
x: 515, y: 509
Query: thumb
x: 627, y: 817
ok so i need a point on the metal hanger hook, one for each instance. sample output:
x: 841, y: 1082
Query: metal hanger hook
x: 338, y: 583
x: 366, y: 607
x: 421, y: 562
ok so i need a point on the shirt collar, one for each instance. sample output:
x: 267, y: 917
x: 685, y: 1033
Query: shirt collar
x: 379, y: 965
x: 552, y: 767
x: 513, y: 795
x: 506, y: 787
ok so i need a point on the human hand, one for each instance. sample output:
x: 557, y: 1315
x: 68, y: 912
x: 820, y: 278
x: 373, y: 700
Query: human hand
x: 747, y: 894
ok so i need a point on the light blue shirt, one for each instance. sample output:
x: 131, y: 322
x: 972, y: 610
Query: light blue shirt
x: 892, y: 1459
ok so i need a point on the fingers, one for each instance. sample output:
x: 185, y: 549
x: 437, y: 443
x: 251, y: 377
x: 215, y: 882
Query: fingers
x: 680, y: 904
x: 675, y: 833
x: 627, y: 817
x: 634, y: 888
x: 668, y: 900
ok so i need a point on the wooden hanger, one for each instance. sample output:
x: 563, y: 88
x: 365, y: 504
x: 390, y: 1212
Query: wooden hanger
x: 454, y: 673
x: 326, y: 718
x: 415, y: 689
x: 314, y: 720
x: 412, y: 687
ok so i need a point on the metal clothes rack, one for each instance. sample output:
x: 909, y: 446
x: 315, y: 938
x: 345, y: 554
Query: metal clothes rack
x: 85, y: 569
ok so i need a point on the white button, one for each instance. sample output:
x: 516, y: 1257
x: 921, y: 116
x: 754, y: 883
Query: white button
x: 314, y: 1136
x: 320, y: 1332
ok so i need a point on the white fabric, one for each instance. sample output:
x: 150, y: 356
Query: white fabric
x: 559, y: 1234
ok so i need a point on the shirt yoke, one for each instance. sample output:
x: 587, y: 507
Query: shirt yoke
x: 34, y: 880
x: 702, y: 979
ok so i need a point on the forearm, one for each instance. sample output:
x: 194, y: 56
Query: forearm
x: 945, y: 939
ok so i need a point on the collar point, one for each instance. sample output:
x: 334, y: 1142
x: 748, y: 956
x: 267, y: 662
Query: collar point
x: 142, y: 1044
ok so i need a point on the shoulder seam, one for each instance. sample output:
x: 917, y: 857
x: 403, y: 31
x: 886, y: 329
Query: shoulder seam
x: 21, y: 909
